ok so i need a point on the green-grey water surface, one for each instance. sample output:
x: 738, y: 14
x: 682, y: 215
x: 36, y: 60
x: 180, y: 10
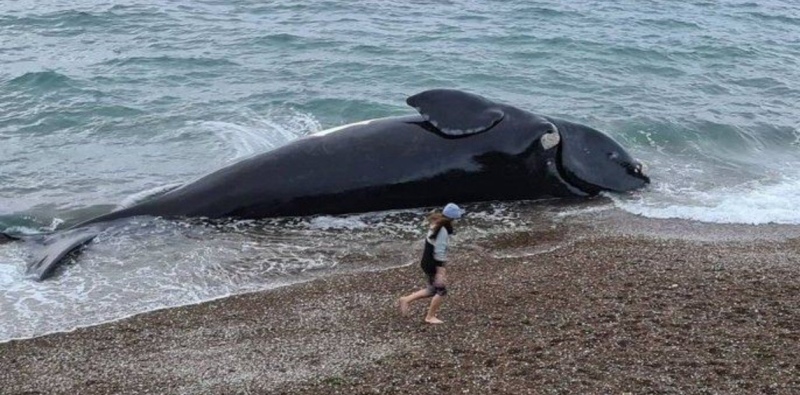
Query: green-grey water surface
x: 101, y: 102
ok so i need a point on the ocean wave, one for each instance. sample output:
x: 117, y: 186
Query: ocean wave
x: 703, y: 138
x: 73, y: 23
x: 277, y: 38
x: 670, y: 23
x: 41, y: 80
x: 83, y: 117
x: 253, y: 132
x: 170, y: 62
x: 90, y: 18
x: 657, y: 56
x: 660, y: 70
x: 776, y: 204
x: 759, y: 82
x: 778, y: 19
x: 294, y: 42
x: 371, y: 49
x: 19, y: 224
x: 547, y: 12
x: 57, y: 19
x: 721, y: 51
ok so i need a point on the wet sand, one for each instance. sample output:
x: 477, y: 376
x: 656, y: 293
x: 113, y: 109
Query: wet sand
x: 606, y: 304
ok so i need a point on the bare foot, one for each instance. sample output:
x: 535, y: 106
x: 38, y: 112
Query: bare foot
x: 403, y: 306
x: 434, y: 320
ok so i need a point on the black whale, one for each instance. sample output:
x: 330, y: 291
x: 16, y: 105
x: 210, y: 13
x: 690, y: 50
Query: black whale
x: 461, y: 148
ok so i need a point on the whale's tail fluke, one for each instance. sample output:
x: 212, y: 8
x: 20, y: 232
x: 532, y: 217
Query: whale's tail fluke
x: 56, y: 247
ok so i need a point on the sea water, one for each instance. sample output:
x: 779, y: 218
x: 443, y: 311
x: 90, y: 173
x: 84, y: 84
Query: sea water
x: 102, y: 103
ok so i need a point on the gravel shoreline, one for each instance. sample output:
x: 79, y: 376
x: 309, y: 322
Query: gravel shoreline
x: 559, y: 310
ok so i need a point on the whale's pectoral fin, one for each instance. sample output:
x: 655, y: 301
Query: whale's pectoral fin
x: 456, y: 113
x: 58, y: 246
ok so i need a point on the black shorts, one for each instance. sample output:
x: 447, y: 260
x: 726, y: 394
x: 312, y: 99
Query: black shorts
x: 433, y: 289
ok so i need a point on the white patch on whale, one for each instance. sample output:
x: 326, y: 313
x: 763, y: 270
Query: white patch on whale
x: 550, y: 140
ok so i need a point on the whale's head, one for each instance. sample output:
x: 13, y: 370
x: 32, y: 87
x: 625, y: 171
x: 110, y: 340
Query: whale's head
x: 588, y: 161
x: 584, y: 161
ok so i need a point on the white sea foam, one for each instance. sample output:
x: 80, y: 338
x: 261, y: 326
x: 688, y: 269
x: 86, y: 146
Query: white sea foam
x: 144, y: 267
x: 152, y: 264
x: 10, y: 260
x: 54, y: 224
x: 261, y: 132
x: 25, y: 230
x: 754, y: 202
x: 581, y: 211
x: 326, y: 222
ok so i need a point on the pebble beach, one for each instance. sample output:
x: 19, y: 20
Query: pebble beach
x: 581, y: 305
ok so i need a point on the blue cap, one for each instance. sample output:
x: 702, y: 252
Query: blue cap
x: 452, y: 211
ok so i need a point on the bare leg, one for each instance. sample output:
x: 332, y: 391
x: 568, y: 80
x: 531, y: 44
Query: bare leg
x: 406, y: 300
x: 436, y: 302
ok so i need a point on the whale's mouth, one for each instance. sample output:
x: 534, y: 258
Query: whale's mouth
x: 587, y: 162
x: 569, y: 180
x: 556, y: 171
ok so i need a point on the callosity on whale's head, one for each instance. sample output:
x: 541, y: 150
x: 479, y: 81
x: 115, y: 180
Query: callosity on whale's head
x: 592, y: 162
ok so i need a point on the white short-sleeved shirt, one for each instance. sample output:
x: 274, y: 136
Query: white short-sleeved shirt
x: 439, y: 243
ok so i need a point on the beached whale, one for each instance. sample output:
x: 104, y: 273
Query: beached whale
x: 461, y: 148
